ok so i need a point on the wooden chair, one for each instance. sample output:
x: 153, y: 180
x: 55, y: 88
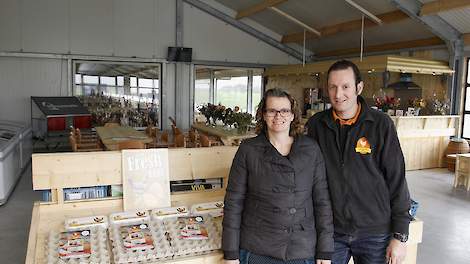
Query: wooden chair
x: 131, y: 144
x: 206, y: 142
x: 180, y: 141
x: 111, y: 124
x: 83, y: 147
x: 462, y: 171
x: 81, y: 137
x: 193, y: 139
x: 164, y: 140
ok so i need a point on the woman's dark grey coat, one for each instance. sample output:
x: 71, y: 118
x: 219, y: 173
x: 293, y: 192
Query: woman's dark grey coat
x: 278, y: 206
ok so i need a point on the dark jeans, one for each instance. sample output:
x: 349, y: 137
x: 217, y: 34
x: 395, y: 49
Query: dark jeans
x: 246, y: 257
x: 369, y: 249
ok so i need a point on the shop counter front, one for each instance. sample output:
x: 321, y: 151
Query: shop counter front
x: 424, y: 139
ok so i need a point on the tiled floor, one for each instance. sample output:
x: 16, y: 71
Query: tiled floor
x: 445, y: 212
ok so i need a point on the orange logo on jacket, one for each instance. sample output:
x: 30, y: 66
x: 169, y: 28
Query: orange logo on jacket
x: 363, y: 146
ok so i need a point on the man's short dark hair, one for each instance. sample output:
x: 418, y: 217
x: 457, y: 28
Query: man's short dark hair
x: 344, y: 65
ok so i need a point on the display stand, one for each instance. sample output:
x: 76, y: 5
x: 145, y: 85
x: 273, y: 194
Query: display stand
x: 65, y: 170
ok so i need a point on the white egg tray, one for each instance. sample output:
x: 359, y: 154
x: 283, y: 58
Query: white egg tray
x: 99, y: 250
x: 191, y: 247
x: 161, y: 247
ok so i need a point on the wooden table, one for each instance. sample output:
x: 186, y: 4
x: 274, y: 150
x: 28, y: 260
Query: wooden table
x: 111, y: 136
x: 228, y: 137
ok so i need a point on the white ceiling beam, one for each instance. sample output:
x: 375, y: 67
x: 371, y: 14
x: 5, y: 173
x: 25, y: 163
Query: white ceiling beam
x: 365, y: 12
x: 295, y: 20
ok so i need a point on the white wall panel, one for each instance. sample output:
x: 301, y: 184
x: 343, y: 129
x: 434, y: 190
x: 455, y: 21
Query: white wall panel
x: 134, y: 28
x: 11, y: 104
x: 91, y: 27
x: 165, y: 24
x: 10, y: 25
x: 212, y: 39
x: 21, y: 78
x: 45, y: 26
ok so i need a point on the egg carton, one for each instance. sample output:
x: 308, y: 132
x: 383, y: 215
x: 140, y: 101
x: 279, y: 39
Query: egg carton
x: 214, y: 209
x: 182, y: 246
x: 155, y: 248
x: 95, y: 239
x: 86, y: 222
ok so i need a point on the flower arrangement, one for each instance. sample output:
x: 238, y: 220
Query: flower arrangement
x: 242, y: 121
x: 440, y: 107
x: 228, y: 116
x: 417, y: 103
x: 387, y: 102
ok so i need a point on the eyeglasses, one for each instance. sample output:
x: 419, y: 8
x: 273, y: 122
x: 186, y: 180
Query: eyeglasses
x: 285, y: 112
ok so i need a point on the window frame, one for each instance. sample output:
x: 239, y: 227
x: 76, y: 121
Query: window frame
x: 251, y: 71
x: 467, y: 87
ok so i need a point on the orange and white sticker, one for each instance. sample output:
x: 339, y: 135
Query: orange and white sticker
x: 363, y: 146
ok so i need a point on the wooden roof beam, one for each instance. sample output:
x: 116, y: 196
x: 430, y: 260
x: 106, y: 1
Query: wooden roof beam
x: 466, y: 39
x: 295, y: 20
x: 434, y: 41
x: 432, y: 8
x: 387, y: 18
x: 364, y: 11
x: 258, y: 8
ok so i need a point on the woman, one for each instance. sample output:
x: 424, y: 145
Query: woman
x: 277, y: 206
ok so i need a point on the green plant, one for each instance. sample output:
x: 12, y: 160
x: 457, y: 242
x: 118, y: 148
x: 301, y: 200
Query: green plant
x: 242, y: 120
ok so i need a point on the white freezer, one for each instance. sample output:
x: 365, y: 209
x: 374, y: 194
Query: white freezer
x: 15, y: 154
x: 26, y: 140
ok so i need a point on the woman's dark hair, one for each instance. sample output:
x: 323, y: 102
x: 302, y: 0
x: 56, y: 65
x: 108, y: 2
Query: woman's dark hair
x: 344, y: 65
x: 295, y: 126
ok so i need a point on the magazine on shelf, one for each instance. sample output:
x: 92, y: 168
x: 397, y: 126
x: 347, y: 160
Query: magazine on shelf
x: 74, y: 244
x: 192, y: 227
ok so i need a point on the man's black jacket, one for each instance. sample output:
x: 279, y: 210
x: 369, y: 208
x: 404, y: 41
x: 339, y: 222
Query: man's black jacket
x: 367, y: 182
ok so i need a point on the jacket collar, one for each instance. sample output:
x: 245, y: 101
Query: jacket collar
x: 271, y: 155
x: 365, y: 114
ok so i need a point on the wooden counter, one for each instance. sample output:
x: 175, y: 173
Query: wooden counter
x: 424, y: 139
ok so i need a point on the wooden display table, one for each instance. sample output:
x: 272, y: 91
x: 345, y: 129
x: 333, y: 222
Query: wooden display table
x: 228, y: 137
x: 111, y: 136
x: 424, y: 139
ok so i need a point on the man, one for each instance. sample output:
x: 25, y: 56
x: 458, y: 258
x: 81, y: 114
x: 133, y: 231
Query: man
x: 366, y: 173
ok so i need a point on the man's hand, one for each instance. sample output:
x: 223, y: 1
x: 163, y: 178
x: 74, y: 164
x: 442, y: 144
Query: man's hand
x: 234, y: 261
x: 323, y: 261
x: 396, y: 252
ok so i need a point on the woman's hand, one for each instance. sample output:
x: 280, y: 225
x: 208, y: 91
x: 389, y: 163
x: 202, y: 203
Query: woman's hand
x: 323, y: 261
x: 232, y: 261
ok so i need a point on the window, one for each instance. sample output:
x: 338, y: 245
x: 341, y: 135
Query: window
x: 257, y: 91
x: 232, y: 91
x: 132, y: 91
x: 229, y: 87
x: 90, y: 79
x: 120, y: 80
x: 106, y: 80
x: 466, y: 110
x: 78, y: 78
x: 133, y: 81
x: 148, y: 83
